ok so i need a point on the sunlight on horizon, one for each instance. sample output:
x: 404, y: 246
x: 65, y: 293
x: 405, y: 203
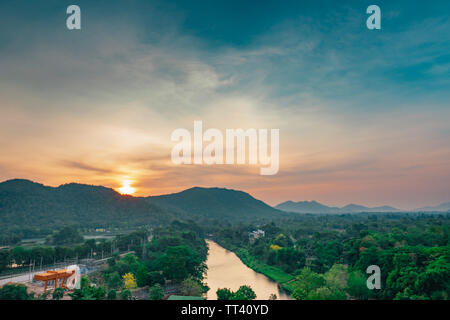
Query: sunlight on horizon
x: 126, y: 188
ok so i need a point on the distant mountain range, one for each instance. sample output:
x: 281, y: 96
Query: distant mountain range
x: 442, y: 207
x: 26, y: 204
x: 316, y: 207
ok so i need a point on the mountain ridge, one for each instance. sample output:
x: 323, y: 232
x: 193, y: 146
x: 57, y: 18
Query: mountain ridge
x: 317, y: 207
x: 24, y: 203
x: 196, y: 202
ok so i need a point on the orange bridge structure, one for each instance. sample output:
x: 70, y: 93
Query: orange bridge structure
x: 55, y: 276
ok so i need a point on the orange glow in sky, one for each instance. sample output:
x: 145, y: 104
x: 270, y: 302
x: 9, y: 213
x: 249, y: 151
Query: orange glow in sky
x: 127, y: 188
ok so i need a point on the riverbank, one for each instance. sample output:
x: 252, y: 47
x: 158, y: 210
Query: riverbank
x: 284, y: 280
x: 227, y: 270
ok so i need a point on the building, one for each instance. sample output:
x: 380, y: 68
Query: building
x: 256, y: 234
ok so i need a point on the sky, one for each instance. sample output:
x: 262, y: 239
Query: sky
x: 363, y: 114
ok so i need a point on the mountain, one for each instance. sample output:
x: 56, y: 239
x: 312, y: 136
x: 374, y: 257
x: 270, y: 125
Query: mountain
x: 316, y: 207
x: 26, y: 204
x: 306, y: 207
x: 217, y: 203
x: 443, y: 207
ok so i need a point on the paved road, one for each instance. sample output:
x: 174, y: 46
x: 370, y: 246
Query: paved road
x: 20, y: 278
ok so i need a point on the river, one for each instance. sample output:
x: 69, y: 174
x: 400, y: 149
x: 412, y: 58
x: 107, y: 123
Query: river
x: 226, y: 270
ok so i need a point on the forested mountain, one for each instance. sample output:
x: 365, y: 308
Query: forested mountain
x: 29, y: 205
x: 25, y: 204
x: 217, y: 203
x: 316, y: 207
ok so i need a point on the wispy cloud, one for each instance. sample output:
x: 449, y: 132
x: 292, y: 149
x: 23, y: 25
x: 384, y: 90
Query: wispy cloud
x: 362, y: 116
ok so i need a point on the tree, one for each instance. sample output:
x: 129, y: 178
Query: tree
x: 142, y: 276
x: 113, y: 280
x: 224, y: 294
x: 15, y: 292
x: 84, y: 282
x: 67, y: 235
x: 129, y: 281
x: 156, y: 277
x: 191, y: 287
x: 273, y: 296
x: 435, y: 280
x: 125, y: 294
x: 112, y: 295
x: 244, y: 293
x: 19, y: 255
x: 58, y: 293
x: 336, y: 281
x: 307, y: 282
x: 156, y: 292
x: 179, y: 262
x: 98, y: 293
x: 77, y: 294
x: 357, y: 286
x: 4, y: 259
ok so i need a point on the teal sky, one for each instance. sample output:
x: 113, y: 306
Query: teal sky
x: 363, y: 114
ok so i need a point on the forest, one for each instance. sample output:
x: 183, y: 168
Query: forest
x: 326, y: 256
x: 311, y: 257
x: 149, y: 263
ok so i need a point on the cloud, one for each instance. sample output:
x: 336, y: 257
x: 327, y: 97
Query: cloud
x: 100, y: 105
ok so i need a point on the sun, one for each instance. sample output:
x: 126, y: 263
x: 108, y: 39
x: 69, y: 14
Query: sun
x: 127, y: 188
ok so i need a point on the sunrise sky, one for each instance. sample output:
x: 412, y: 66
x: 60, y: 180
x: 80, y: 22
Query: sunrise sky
x: 363, y: 115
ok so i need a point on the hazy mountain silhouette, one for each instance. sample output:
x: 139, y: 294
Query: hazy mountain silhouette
x: 306, y: 207
x: 316, y: 207
x: 443, y: 207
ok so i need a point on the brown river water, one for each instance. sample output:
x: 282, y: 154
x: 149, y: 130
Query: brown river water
x: 226, y: 270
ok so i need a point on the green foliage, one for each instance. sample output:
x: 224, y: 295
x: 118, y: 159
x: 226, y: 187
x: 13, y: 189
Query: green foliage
x: 58, y: 293
x: 142, y: 276
x: 88, y: 291
x: 155, y: 277
x: 156, y: 292
x: 5, y: 260
x: 191, y: 287
x: 125, y: 294
x: 224, y: 294
x: 15, y: 292
x: 27, y: 205
x: 411, y: 249
x: 113, y: 280
x: 357, y: 285
x: 67, y: 235
x: 308, y: 282
x: 84, y: 282
x: 179, y: 262
x: 243, y: 293
x: 112, y: 295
